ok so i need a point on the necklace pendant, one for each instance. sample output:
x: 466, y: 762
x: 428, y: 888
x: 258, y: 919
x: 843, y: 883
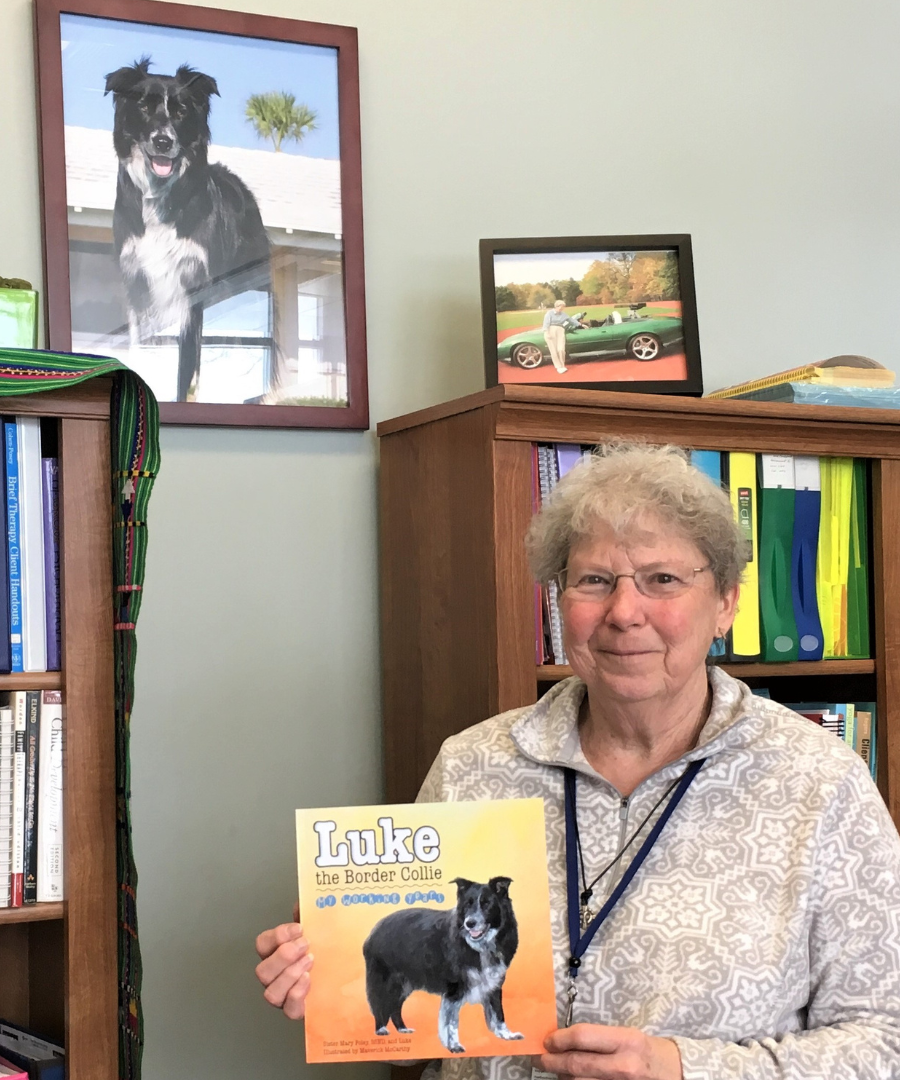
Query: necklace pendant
x: 586, y: 916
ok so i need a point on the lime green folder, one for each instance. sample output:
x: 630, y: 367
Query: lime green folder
x: 832, y: 566
x: 776, y: 532
x: 18, y: 318
x: 858, y: 566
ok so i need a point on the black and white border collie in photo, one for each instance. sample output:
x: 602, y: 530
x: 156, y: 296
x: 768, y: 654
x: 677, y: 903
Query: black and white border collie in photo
x: 187, y: 233
x: 462, y: 954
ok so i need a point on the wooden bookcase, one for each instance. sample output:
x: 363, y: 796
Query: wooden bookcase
x: 58, y: 962
x: 457, y: 600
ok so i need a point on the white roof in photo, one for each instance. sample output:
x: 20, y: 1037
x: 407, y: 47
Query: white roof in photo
x: 293, y: 192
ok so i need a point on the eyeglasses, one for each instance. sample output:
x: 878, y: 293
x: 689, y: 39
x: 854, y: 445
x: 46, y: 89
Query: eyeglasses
x: 659, y: 583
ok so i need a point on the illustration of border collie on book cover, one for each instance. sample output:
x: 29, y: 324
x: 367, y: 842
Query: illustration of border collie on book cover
x: 430, y: 925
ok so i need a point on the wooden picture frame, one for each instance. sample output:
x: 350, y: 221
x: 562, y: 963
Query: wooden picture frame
x: 258, y: 358
x: 635, y: 328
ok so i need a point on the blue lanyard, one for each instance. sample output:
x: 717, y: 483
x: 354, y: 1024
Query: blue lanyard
x: 578, y: 941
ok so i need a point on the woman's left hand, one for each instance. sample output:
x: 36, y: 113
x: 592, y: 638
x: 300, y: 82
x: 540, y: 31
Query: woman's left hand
x: 597, y: 1052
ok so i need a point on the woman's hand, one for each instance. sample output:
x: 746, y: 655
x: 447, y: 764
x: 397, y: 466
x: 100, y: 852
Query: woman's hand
x: 610, y: 1053
x: 284, y: 966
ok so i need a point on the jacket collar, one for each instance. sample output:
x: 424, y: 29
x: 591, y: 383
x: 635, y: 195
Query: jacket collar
x: 547, y: 732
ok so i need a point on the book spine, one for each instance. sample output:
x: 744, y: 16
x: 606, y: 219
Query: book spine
x: 6, y: 804
x: 17, y: 697
x: 50, y: 801
x: 32, y: 783
x: 11, y: 443
x: 50, y: 503
x: 31, y: 531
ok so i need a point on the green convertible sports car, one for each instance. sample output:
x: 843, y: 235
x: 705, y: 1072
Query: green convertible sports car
x: 640, y: 337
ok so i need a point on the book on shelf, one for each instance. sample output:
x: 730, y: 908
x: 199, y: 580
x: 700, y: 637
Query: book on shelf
x: 50, y: 803
x: 805, y: 589
x: 32, y: 778
x: 17, y: 704
x: 7, y: 741
x: 404, y: 898
x: 837, y: 371
x: 50, y: 507
x: 11, y: 449
x: 40, y: 1058
x: 31, y: 533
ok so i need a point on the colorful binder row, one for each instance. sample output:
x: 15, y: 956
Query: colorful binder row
x: 805, y: 594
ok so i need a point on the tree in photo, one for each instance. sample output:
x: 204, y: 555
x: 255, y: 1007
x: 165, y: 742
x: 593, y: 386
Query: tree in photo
x: 277, y: 115
x: 504, y: 298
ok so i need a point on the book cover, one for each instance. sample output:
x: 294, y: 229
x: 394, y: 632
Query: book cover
x: 50, y: 804
x: 11, y: 448
x: 50, y: 506
x: 6, y: 805
x: 31, y: 543
x: 32, y: 777
x: 430, y: 925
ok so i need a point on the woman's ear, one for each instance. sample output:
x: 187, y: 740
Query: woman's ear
x: 728, y: 607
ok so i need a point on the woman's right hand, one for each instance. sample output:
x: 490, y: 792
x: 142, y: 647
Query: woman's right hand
x: 285, y: 961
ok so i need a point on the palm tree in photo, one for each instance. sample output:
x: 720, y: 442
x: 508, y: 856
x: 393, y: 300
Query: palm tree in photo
x: 277, y: 116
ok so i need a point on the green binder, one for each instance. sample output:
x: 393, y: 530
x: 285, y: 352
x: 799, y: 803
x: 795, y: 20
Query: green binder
x: 858, y: 571
x: 776, y: 533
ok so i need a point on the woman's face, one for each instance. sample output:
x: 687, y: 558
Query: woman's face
x: 633, y: 647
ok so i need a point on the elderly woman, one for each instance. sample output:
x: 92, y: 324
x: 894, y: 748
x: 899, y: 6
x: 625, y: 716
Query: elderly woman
x: 725, y: 878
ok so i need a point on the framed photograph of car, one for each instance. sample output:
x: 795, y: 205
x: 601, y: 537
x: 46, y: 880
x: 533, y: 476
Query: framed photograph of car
x: 592, y: 312
x: 202, y: 207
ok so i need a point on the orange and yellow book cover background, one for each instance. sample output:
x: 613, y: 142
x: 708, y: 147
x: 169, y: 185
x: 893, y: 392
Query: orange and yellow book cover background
x: 430, y: 928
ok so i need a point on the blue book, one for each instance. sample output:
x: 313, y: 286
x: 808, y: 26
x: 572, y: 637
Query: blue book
x: 5, y: 645
x: 807, y: 510
x: 710, y: 463
x: 11, y: 443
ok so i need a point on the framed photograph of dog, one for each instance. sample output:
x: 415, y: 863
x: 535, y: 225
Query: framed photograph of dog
x: 592, y: 312
x: 202, y: 207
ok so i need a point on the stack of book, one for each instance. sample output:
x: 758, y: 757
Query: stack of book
x: 840, y: 380
x: 805, y: 593
x: 31, y: 797
x: 25, y: 1054
x: 29, y: 561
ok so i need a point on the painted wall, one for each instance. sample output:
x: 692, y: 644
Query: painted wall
x: 765, y: 130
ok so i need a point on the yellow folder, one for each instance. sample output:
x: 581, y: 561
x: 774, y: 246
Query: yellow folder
x: 833, y: 556
x: 745, y: 642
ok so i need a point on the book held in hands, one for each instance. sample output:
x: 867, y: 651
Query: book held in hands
x: 430, y: 928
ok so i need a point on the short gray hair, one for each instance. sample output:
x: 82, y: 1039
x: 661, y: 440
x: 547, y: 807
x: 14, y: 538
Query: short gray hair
x: 622, y: 482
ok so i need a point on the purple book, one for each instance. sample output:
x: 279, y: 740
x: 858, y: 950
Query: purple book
x: 50, y: 491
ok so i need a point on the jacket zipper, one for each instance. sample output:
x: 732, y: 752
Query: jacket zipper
x: 623, y: 829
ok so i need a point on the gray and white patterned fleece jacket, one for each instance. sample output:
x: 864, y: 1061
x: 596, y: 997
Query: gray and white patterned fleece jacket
x: 763, y: 931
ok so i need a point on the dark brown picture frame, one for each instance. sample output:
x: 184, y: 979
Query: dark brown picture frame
x: 691, y: 385
x: 54, y: 205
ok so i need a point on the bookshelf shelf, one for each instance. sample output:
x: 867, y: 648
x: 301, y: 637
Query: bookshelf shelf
x: 32, y: 913
x: 457, y: 605
x: 32, y: 680
x: 557, y: 672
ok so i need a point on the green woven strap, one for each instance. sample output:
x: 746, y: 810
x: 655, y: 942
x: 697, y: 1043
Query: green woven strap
x: 134, y: 422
